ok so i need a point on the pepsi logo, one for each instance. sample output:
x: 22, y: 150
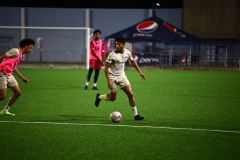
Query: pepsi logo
x: 147, y: 27
x: 171, y: 28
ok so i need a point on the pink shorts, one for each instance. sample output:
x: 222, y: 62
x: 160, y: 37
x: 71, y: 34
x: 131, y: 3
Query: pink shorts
x: 94, y: 63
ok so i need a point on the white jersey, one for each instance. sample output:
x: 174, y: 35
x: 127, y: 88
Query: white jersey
x: 118, y: 61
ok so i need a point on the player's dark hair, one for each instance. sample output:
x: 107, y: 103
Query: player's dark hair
x: 26, y: 42
x: 121, y: 40
x: 97, y: 31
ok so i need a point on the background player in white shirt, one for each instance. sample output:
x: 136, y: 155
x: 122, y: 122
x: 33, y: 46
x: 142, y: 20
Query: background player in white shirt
x: 115, y: 75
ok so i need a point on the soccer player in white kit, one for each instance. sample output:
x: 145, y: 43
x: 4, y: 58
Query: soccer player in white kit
x: 115, y: 75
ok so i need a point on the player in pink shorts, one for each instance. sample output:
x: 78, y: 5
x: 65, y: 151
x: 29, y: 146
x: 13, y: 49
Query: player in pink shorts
x: 9, y: 63
x: 96, y: 58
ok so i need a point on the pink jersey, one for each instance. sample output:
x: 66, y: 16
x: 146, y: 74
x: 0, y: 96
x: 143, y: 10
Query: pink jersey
x: 9, y: 64
x: 97, y: 47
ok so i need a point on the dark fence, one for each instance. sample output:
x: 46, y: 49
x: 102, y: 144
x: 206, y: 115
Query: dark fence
x: 216, y: 56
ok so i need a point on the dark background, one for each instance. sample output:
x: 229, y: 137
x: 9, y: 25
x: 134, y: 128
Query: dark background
x: 208, y: 19
x: 94, y: 4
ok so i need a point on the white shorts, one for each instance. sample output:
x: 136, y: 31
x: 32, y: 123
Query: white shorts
x: 7, y: 81
x: 121, y: 81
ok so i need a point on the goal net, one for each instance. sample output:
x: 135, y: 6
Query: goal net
x: 66, y: 45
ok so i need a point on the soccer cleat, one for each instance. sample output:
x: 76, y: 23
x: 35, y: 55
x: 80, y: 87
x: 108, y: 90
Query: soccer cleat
x: 97, y: 101
x: 6, y: 113
x: 94, y: 88
x: 86, y: 87
x: 138, y: 117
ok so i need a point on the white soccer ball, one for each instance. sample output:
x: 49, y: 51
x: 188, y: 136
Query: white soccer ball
x: 115, y: 117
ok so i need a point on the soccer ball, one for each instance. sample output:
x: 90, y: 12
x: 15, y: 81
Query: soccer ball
x: 115, y: 117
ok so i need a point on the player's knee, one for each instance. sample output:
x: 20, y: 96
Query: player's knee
x: 18, y: 94
x: 2, y: 97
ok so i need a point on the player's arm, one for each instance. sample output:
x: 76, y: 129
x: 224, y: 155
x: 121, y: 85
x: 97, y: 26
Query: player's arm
x: 11, y: 53
x: 3, y: 56
x: 135, y: 65
x: 24, y: 79
x: 95, y: 55
x: 103, y: 53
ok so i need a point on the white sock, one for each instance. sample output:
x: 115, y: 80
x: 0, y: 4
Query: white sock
x: 87, y: 83
x: 94, y: 84
x: 101, y: 96
x: 6, y: 108
x: 134, y: 109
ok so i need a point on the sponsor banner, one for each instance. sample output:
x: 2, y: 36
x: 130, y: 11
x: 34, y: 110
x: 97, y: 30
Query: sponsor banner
x: 147, y: 59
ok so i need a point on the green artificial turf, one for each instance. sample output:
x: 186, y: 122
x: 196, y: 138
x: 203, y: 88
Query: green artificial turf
x: 188, y: 115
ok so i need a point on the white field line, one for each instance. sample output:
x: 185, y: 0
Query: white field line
x: 119, y: 125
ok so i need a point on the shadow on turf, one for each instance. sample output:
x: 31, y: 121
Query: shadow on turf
x: 82, y: 118
x: 56, y: 87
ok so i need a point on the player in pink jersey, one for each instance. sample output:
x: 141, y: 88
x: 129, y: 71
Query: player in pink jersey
x: 96, y: 58
x: 9, y: 63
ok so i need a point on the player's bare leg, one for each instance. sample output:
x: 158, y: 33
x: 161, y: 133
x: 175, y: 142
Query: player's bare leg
x: 127, y: 89
x: 3, y: 94
x: 16, y: 94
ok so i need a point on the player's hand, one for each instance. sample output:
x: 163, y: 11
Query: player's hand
x: 102, y: 63
x: 143, y: 76
x: 25, y: 80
